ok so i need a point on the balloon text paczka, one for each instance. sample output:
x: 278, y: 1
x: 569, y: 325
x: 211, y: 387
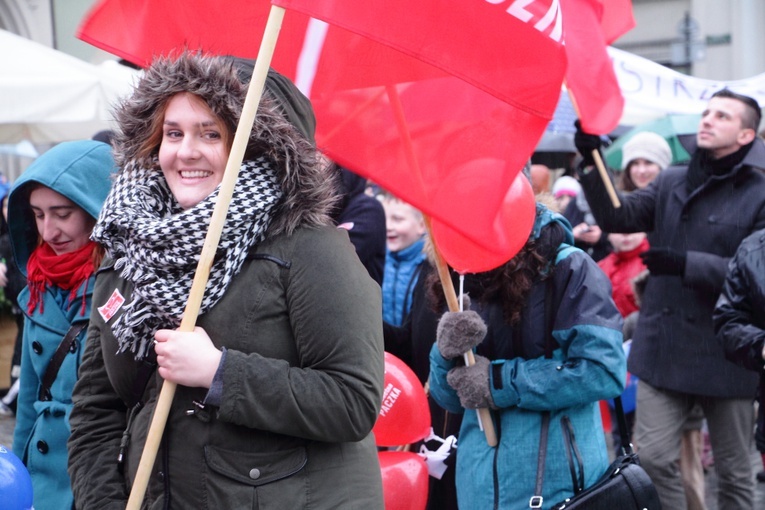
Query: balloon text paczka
x: 404, y: 414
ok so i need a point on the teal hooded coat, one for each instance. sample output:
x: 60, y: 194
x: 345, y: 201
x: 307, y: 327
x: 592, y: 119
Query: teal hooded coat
x: 81, y: 172
x: 587, y: 365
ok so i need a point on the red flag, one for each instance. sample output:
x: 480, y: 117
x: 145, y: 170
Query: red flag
x: 589, y: 27
x: 447, y: 145
x: 439, y: 102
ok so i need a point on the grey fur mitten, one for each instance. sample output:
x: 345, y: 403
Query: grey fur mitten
x: 458, y: 332
x: 472, y: 384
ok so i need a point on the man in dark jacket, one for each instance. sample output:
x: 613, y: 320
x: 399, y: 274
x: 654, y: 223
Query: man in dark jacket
x: 740, y: 321
x: 695, y: 216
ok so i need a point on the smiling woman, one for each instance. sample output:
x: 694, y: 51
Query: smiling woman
x: 280, y: 383
x: 194, y: 150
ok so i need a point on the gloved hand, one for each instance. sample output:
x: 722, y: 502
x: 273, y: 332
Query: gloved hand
x: 585, y: 144
x: 472, y: 384
x: 664, y: 261
x: 458, y: 332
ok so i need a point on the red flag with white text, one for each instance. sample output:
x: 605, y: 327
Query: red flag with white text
x: 452, y: 144
x: 439, y: 102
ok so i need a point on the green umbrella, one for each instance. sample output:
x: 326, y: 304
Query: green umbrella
x: 673, y: 127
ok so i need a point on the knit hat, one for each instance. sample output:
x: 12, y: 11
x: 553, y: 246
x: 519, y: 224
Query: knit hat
x: 647, y: 145
x: 566, y: 185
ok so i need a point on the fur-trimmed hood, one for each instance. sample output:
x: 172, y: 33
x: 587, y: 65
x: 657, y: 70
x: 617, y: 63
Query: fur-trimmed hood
x: 305, y: 179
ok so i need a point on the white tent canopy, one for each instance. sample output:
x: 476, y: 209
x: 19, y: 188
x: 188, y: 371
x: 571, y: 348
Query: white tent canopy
x: 47, y: 96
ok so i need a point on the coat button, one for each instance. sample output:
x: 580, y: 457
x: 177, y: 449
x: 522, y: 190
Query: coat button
x: 42, y: 446
x: 37, y: 347
x: 73, y: 347
x: 254, y: 473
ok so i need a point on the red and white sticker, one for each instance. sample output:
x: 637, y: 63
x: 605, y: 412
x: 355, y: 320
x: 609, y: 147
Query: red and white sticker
x: 112, y: 306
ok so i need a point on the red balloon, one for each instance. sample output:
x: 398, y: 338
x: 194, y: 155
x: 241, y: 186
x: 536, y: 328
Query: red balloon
x: 512, y: 227
x: 405, y: 480
x: 404, y: 414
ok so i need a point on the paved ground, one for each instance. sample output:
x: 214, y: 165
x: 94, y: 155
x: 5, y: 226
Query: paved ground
x: 6, y: 431
x: 6, y: 439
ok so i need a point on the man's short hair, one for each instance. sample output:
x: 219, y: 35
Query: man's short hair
x: 753, y: 114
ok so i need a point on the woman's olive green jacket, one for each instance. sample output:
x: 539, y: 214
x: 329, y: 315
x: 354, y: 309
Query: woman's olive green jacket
x: 302, y: 382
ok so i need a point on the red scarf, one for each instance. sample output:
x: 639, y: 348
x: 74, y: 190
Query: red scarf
x: 67, y: 271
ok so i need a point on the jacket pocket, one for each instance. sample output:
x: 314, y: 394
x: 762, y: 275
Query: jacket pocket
x: 259, y: 481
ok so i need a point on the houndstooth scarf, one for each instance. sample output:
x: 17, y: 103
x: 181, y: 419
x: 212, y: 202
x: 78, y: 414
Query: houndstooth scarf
x: 156, y: 244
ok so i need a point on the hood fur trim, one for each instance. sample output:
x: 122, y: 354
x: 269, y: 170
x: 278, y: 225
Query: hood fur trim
x: 304, y: 176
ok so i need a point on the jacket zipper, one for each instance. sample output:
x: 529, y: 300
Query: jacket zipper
x: 498, y: 427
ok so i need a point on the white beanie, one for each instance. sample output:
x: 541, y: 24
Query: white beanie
x: 566, y: 185
x: 647, y: 145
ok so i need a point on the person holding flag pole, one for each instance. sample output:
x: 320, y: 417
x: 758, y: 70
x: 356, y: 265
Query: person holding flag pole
x: 547, y: 340
x: 695, y: 216
x: 275, y: 391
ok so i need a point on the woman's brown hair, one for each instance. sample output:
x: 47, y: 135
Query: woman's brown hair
x: 150, y: 148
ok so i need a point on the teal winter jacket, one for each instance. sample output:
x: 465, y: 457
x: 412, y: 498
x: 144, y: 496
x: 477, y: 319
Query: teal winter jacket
x: 587, y: 365
x: 81, y: 172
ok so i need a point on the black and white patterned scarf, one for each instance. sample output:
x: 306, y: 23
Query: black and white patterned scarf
x: 156, y: 244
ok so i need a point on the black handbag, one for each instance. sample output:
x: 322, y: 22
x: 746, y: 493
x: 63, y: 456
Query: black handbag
x: 624, y: 485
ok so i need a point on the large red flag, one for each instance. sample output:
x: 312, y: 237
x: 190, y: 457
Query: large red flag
x: 447, y: 145
x: 439, y: 102
x: 590, y: 25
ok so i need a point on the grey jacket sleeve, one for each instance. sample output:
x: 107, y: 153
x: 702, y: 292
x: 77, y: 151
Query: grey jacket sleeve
x: 636, y: 210
x: 705, y: 270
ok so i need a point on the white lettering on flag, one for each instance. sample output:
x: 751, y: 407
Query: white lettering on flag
x: 552, y: 15
x: 525, y: 10
x: 518, y: 9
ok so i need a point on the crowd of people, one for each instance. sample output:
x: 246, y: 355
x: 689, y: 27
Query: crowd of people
x: 280, y: 381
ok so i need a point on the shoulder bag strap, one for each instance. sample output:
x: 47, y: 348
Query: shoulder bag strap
x: 58, y: 359
x: 537, y: 499
x: 621, y: 422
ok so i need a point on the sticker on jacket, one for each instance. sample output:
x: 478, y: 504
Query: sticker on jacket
x: 112, y: 306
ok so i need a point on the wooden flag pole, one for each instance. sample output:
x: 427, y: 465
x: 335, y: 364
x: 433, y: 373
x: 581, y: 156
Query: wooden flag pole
x: 484, y: 416
x: 599, y: 163
x: 217, y: 221
x: 606, y: 179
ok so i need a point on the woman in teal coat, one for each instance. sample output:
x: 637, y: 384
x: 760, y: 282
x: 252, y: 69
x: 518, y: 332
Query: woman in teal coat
x: 548, y: 339
x: 52, y: 210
